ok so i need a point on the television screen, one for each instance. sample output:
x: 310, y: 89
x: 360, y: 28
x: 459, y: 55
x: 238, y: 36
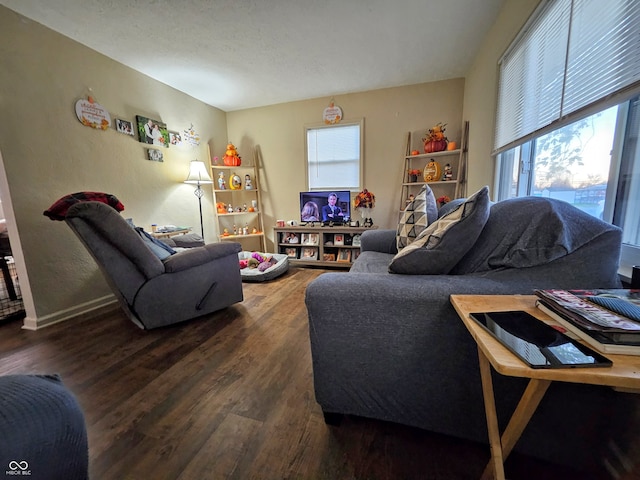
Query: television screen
x: 325, y: 206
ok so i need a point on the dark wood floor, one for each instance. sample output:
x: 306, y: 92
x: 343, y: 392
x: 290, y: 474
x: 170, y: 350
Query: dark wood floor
x: 228, y: 397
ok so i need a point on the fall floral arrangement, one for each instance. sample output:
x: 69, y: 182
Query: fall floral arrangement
x: 436, y: 133
x: 443, y: 199
x: 364, y: 199
x: 414, y: 171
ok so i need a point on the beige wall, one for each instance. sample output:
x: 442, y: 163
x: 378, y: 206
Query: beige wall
x: 389, y: 114
x: 48, y: 153
x: 481, y: 90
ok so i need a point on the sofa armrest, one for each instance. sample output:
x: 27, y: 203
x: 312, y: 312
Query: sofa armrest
x: 193, y: 257
x: 383, y: 241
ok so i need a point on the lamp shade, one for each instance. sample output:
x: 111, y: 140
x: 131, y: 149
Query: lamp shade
x: 198, y: 173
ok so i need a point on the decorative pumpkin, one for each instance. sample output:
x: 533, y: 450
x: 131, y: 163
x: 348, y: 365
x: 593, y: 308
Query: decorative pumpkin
x: 221, y: 207
x: 231, y: 157
x: 435, y: 141
x: 435, y: 146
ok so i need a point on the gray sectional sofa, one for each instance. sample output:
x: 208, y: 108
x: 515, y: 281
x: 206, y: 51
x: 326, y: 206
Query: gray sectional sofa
x: 393, y: 348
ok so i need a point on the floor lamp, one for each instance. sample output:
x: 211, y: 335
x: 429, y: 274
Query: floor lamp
x: 198, y: 175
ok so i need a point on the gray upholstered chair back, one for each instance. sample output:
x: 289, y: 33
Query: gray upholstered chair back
x: 116, y: 247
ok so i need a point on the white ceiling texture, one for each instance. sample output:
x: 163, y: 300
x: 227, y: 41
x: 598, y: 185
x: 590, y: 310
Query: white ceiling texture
x: 237, y: 54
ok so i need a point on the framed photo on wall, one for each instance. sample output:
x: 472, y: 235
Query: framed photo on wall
x: 124, y: 126
x: 175, y: 139
x: 152, y: 132
x: 154, y: 155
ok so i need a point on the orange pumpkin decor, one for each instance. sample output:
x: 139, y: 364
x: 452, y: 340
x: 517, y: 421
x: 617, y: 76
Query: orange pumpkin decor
x: 415, y: 152
x: 435, y: 141
x: 231, y: 157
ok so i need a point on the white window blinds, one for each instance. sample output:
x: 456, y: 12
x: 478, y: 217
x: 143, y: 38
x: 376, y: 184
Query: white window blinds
x: 334, y: 157
x: 573, y: 54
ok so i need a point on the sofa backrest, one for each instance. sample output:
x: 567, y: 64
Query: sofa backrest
x: 531, y: 231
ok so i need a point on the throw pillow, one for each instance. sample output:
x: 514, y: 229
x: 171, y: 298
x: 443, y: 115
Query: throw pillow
x: 188, y: 240
x: 441, y: 245
x: 416, y: 216
x: 160, y: 249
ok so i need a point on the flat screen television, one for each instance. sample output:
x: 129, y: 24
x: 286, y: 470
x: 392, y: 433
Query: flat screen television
x: 319, y: 206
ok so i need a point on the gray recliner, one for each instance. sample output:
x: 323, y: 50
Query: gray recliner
x: 154, y: 292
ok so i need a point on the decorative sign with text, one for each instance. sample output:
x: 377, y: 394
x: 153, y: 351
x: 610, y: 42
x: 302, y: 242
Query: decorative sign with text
x: 332, y: 114
x: 92, y: 114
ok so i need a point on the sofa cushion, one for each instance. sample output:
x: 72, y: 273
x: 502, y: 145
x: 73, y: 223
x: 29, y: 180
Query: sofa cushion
x: 188, y: 240
x: 422, y: 211
x: 441, y: 245
x: 530, y: 231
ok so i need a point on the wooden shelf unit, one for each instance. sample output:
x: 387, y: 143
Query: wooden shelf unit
x: 454, y: 188
x: 239, y: 198
x: 323, y: 235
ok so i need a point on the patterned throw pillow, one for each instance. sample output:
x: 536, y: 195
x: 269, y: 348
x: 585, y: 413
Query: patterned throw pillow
x: 422, y: 211
x: 444, y: 242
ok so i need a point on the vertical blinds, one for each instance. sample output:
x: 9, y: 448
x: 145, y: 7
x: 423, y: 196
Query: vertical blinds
x: 573, y: 54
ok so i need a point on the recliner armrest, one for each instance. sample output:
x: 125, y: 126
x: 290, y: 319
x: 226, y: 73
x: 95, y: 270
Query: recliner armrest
x: 193, y: 257
x: 383, y: 241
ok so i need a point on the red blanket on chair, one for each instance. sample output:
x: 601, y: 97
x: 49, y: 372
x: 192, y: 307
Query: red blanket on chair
x: 58, y: 211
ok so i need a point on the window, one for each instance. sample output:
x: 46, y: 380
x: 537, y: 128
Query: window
x: 334, y: 156
x: 568, y: 123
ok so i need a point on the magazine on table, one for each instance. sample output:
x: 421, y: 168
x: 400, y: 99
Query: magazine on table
x: 601, y: 328
x: 587, y: 313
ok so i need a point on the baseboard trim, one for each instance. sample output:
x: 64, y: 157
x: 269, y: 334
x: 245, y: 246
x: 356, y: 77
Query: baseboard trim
x: 94, y: 307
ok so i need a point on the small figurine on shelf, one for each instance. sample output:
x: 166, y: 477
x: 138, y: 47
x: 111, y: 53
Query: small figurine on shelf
x: 254, y: 231
x: 235, y: 230
x: 236, y: 183
x: 245, y: 229
x: 247, y: 182
x: 244, y: 207
x: 447, y: 173
x: 225, y: 232
x: 230, y: 208
x: 222, y: 184
x: 221, y: 207
x: 410, y: 199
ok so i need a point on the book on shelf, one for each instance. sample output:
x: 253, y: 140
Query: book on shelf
x: 604, y: 329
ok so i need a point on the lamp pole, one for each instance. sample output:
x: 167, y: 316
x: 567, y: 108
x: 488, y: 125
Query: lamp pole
x: 199, y: 193
x: 198, y: 176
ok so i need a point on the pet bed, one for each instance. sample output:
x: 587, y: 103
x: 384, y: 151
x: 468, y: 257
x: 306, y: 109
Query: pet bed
x: 280, y: 266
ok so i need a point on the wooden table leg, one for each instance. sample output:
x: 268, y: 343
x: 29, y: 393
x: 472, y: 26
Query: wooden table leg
x: 501, y: 448
x: 496, y: 464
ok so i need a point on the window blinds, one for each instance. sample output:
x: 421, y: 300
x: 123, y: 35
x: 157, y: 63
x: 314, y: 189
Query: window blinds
x: 333, y: 156
x: 572, y: 55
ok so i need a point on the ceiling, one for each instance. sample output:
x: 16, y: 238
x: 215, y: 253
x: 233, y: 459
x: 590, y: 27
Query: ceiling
x: 237, y: 54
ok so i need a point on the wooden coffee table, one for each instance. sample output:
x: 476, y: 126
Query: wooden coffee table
x: 624, y: 374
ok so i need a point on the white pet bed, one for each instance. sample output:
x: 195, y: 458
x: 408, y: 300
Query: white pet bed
x: 255, y: 275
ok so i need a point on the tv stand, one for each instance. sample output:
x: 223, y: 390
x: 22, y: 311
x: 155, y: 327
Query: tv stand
x: 321, y: 241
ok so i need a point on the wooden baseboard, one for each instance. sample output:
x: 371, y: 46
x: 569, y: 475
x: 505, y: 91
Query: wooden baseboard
x: 95, y: 307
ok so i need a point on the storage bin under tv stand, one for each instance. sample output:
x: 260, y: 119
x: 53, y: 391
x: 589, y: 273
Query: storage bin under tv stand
x: 324, y: 234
